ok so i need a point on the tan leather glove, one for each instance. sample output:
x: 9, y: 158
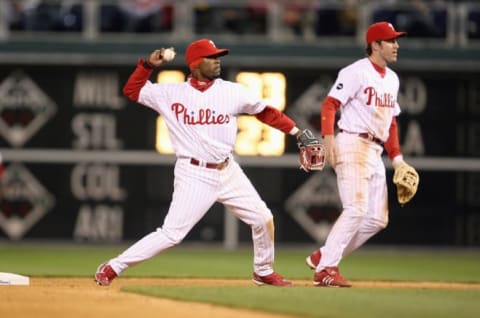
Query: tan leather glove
x: 406, y: 179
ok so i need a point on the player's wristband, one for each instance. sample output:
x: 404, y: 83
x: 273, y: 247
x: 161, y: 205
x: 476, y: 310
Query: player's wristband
x: 294, y: 131
x: 147, y: 65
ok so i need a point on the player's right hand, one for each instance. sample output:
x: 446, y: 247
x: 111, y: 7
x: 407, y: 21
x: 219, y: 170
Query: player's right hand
x: 155, y: 57
x: 330, y: 149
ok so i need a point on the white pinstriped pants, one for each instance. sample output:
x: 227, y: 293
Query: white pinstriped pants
x: 196, y: 189
x: 362, y: 187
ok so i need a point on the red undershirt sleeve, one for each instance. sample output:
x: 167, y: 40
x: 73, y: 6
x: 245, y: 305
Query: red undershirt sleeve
x: 329, y: 108
x: 137, y: 80
x: 392, y: 145
x: 276, y: 119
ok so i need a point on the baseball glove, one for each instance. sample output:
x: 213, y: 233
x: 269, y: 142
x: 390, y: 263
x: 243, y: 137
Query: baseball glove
x: 406, y: 179
x: 312, y: 152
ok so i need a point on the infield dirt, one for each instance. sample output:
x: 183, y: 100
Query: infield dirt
x: 82, y: 298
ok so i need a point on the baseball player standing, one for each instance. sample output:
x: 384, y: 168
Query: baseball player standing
x: 366, y: 94
x: 201, y: 115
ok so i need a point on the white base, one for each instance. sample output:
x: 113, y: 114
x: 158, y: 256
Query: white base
x: 14, y: 279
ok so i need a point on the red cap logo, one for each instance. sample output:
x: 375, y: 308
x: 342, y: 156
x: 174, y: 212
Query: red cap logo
x: 382, y: 31
x: 202, y: 48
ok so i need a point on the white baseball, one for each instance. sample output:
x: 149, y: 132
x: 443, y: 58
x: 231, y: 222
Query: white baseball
x: 168, y: 54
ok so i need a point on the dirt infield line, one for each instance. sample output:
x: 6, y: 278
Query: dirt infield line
x: 298, y: 283
x: 81, y: 297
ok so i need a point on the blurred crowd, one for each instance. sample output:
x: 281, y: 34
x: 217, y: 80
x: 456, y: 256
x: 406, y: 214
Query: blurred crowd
x: 68, y: 15
x: 301, y: 18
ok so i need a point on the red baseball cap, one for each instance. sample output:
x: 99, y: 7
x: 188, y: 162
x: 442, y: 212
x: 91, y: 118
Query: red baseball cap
x: 202, y: 48
x: 382, y: 31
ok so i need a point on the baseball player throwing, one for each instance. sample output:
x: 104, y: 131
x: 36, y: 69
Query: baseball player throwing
x: 366, y: 94
x: 201, y: 115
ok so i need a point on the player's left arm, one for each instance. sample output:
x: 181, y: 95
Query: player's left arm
x: 277, y: 119
x: 312, y: 153
x: 392, y: 144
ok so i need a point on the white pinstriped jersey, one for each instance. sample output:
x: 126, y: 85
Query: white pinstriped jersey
x: 201, y: 125
x: 368, y: 101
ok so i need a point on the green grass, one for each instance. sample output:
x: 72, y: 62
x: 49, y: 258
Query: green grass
x: 330, y: 302
x: 366, y: 264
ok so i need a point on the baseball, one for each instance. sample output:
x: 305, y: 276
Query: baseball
x: 168, y: 54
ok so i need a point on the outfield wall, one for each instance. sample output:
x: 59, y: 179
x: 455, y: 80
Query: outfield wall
x: 82, y: 162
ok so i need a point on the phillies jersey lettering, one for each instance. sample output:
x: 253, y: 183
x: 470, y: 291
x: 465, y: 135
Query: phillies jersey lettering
x: 379, y: 100
x: 203, y: 117
x: 201, y: 124
x: 359, y: 87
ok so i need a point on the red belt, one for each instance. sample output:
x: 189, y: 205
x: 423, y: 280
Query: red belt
x: 365, y: 136
x: 210, y: 165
